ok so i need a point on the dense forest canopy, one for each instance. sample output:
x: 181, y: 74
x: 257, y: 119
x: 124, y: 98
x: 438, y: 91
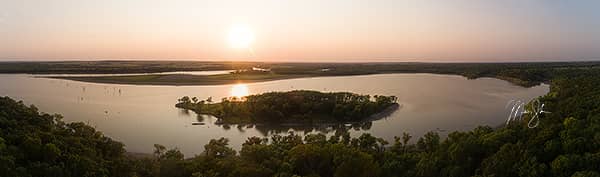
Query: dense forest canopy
x: 292, y: 106
x: 38, y: 144
x: 565, y: 144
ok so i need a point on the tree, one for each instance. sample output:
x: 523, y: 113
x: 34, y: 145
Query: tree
x: 159, y: 150
x: 429, y: 142
x: 218, y: 148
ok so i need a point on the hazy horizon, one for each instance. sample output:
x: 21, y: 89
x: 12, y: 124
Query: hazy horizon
x: 301, y: 31
x: 299, y: 61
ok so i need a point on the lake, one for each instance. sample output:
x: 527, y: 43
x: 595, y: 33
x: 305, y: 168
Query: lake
x: 143, y: 115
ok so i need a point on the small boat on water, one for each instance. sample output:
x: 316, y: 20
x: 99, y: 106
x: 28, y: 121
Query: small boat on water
x: 198, y: 123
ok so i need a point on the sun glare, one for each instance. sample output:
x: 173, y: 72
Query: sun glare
x: 240, y: 36
x: 239, y: 90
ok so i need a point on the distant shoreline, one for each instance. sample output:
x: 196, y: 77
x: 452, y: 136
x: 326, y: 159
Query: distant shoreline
x: 522, y: 74
x: 179, y: 79
x: 195, y: 80
x: 202, y: 81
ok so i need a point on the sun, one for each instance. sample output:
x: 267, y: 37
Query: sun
x: 241, y: 36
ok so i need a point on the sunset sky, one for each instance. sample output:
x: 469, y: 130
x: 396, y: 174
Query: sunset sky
x: 302, y: 30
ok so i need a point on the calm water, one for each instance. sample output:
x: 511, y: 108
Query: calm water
x: 140, y: 115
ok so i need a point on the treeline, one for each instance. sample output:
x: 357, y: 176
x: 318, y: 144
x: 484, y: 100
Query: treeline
x: 292, y: 106
x: 34, y: 144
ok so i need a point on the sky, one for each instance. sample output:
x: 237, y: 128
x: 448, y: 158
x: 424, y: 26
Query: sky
x: 301, y: 31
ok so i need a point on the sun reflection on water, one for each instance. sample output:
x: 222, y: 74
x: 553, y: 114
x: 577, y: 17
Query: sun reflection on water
x: 239, y: 90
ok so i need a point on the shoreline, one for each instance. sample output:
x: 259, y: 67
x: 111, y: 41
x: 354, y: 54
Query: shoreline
x: 198, y: 80
x: 178, y: 79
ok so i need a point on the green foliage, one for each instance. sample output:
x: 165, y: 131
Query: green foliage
x: 36, y: 144
x: 293, y: 106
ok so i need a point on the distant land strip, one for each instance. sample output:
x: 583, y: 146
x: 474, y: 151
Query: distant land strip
x: 523, y: 74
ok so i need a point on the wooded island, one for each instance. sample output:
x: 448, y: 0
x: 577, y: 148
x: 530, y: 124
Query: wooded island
x: 299, y: 106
